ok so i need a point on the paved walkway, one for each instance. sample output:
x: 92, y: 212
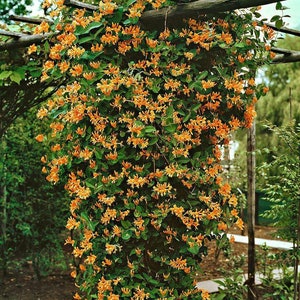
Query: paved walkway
x: 212, y: 287
x: 260, y: 242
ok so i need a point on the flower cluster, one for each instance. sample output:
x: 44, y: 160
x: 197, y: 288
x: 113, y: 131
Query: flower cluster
x: 137, y: 133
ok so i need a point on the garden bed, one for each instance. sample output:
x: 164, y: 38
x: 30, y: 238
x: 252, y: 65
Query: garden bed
x: 22, y: 284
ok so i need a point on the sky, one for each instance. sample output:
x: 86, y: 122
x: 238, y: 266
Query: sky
x: 293, y: 11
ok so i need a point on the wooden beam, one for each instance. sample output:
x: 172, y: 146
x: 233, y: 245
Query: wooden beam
x: 170, y: 16
x: 29, y: 19
x: 251, y: 165
x: 24, y: 41
x: 292, y: 58
x: 285, y: 55
x: 158, y: 19
x: 282, y: 51
x: 78, y: 4
x: 12, y: 34
x: 284, y: 29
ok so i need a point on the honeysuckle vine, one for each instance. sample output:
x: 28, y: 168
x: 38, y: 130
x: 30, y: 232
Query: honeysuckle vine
x: 136, y: 136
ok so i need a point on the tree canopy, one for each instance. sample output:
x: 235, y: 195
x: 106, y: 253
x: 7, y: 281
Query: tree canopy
x: 18, y: 7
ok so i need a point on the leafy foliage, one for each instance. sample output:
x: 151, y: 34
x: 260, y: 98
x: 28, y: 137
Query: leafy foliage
x: 32, y: 212
x: 283, y: 192
x: 136, y: 136
x: 18, y: 7
x: 282, y: 189
x: 279, y: 107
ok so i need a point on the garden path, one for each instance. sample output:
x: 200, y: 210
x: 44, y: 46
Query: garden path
x: 212, y: 287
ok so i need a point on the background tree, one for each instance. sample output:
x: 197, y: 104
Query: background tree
x: 18, y: 7
x: 282, y: 190
x: 32, y: 212
x: 279, y: 108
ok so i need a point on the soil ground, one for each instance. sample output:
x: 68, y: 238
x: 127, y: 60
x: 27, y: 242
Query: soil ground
x: 22, y: 285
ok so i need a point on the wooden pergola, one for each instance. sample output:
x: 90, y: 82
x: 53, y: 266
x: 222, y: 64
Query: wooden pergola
x: 28, y: 95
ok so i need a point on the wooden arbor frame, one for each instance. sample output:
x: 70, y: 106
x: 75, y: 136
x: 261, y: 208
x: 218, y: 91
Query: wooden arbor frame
x: 28, y: 94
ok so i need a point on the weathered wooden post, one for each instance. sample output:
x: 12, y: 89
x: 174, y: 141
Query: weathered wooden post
x: 251, y: 210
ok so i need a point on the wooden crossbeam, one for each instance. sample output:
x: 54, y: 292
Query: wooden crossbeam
x: 12, y: 34
x: 24, y: 41
x: 282, y: 51
x: 29, y: 19
x: 292, y: 57
x: 78, y: 4
x: 170, y: 15
x: 285, y: 56
x: 284, y: 29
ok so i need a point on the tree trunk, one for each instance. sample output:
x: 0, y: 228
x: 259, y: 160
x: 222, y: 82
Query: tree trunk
x: 3, y: 213
x: 251, y: 211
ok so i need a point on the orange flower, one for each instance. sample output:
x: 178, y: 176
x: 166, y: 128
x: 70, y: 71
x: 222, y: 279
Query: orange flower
x: 137, y: 181
x: 63, y: 66
x: 42, y: 28
x: 227, y: 38
x: 76, y: 70
x: 31, y: 49
x: 225, y: 189
x: 240, y: 224
x: 39, y: 138
x: 72, y: 223
x: 90, y: 259
x: 89, y: 75
x: 55, y: 147
x: 233, y: 201
x: 110, y: 248
x: 48, y: 65
x: 178, y: 263
x: 97, y: 47
x: 205, y: 294
x: 76, y: 296
x: 162, y: 188
x: 151, y: 43
x: 95, y: 64
x: 208, y: 84
x: 106, y: 262
x: 222, y: 226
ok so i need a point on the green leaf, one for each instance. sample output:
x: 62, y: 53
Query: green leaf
x: 15, y: 77
x: 125, y: 224
x: 117, y: 17
x: 149, y: 129
x: 203, y: 75
x: 91, y: 224
x: 85, y: 39
x: 131, y: 21
x: 240, y: 45
x: 127, y: 234
x: 196, y: 107
x: 87, y: 29
x: 169, y: 112
x: 5, y: 74
x: 279, y: 23
x: 219, y: 296
x: 275, y: 18
x: 171, y: 128
x: 194, y: 250
x: 186, y: 118
x: 278, y: 5
x: 153, y: 140
x: 130, y: 2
